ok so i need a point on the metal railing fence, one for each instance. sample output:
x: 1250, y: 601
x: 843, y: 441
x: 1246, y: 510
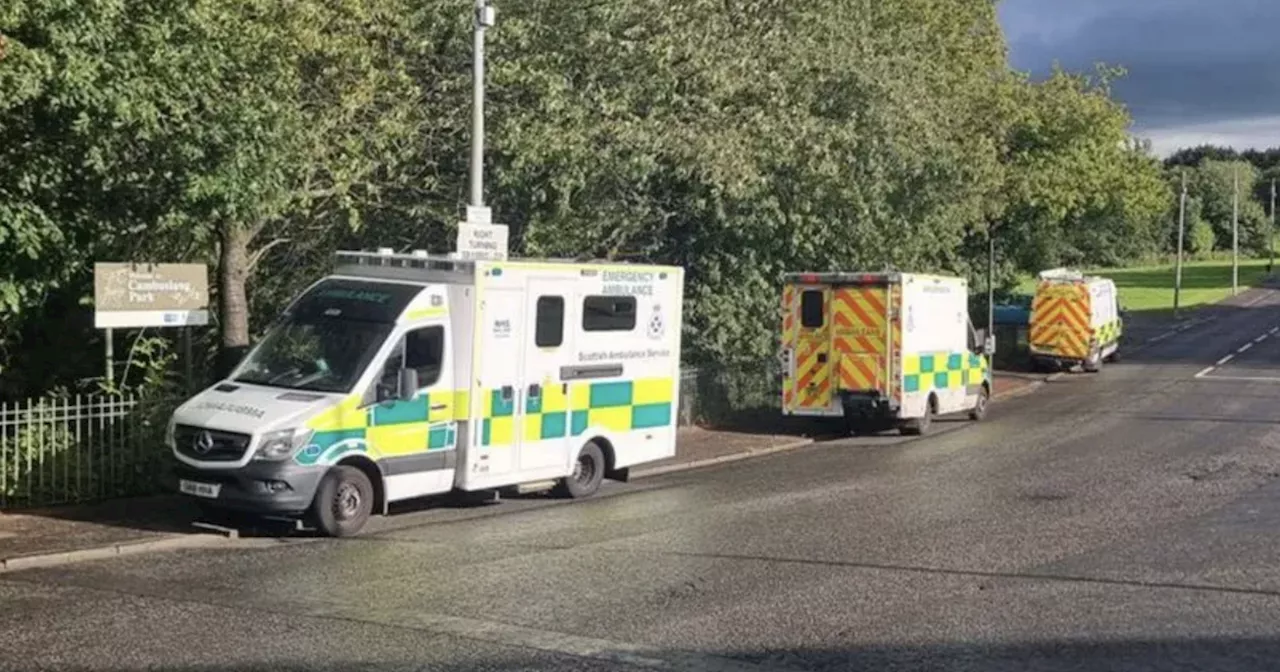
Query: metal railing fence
x: 80, y: 449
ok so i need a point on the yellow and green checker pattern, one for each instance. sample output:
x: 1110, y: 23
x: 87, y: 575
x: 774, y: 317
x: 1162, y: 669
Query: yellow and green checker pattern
x: 427, y: 422
x: 1109, y: 333
x: 943, y: 371
x: 617, y: 406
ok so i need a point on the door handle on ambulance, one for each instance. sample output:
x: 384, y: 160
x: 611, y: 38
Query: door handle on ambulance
x: 439, y: 407
x: 822, y: 359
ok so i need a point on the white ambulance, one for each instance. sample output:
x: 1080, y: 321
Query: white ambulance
x: 405, y: 375
x: 882, y: 349
x: 1075, y: 321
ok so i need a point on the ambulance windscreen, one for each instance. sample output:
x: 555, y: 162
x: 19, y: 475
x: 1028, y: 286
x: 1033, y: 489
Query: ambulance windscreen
x: 328, y: 338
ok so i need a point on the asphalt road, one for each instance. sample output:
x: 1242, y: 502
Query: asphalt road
x: 1119, y: 521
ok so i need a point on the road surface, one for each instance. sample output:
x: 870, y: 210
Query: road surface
x: 1126, y: 520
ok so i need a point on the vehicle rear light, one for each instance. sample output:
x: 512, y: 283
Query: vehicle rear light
x: 810, y: 278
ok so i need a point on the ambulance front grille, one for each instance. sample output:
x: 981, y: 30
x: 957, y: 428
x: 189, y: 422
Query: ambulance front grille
x: 210, y: 445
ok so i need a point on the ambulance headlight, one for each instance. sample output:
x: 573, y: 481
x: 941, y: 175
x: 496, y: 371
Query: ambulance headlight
x: 282, y: 444
x: 169, y: 432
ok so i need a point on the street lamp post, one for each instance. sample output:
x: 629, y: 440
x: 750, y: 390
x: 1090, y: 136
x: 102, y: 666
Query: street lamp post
x: 991, y: 280
x: 484, y: 18
x: 1271, y: 239
x: 1182, y: 225
x: 1235, y: 231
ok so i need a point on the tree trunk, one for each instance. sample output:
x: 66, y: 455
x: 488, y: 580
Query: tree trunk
x: 233, y: 274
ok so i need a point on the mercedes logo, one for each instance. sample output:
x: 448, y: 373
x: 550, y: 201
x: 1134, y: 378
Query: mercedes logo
x: 203, y: 442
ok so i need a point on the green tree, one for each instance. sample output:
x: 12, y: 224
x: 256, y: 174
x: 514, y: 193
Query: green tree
x: 1199, y: 233
x: 1213, y: 182
x: 746, y: 140
x: 739, y: 139
x: 218, y: 129
x: 1079, y: 191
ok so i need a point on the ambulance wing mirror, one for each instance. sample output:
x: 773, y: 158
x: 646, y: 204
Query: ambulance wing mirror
x: 407, y: 385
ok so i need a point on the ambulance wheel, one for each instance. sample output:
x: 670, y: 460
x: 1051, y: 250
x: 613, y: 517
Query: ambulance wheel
x: 979, y: 410
x: 920, y: 426
x: 1113, y: 357
x: 588, y: 472
x: 343, y: 503
x: 1094, y: 363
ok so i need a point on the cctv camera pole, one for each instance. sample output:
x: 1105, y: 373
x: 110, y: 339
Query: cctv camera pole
x: 483, y: 19
x: 1235, y: 231
x: 1182, y: 224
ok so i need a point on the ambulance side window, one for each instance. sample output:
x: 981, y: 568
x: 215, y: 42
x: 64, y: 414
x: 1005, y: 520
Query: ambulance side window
x: 424, y: 351
x: 549, y: 322
x: 812, y: 309
x: 609, y: 313
x: 421, y: 350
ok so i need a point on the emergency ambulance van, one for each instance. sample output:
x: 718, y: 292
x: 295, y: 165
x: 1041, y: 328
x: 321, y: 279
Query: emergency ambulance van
x: 1075, y: 321
x: 405, y: 375
x: 882, y: 350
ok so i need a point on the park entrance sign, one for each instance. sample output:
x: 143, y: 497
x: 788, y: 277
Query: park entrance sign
x: 150, y: 295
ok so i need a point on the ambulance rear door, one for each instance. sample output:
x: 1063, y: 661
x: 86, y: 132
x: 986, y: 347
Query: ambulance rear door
x: 860, y: 338
x: 808, y: 379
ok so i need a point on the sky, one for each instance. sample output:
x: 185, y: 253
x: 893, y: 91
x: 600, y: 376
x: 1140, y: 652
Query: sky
x: 1198, y: 71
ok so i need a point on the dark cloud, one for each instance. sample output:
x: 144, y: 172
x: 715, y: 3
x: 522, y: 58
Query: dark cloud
x: 1189, y: 62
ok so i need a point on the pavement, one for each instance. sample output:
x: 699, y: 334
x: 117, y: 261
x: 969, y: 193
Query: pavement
x: 1114, y: 521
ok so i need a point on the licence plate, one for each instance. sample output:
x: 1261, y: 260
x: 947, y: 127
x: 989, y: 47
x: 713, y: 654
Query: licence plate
x: 209, y: 490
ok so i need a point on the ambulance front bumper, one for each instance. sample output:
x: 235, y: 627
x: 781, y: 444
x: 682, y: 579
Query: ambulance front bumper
x: 275, y: 488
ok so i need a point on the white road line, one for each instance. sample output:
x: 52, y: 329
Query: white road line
x: 1274, y: 330
x: 1161, y: 337
x: 1261, y: 338
x: 1247, y: 379
x: 1244, y: 347
x: 1206, y: 371
x: 1224, y: 360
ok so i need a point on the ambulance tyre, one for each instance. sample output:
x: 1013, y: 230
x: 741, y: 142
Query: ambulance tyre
x: 343, y: 503
x: 1094, y: 363
x: 979, y: 410
x: 920, y: 426
x: 588, y: 472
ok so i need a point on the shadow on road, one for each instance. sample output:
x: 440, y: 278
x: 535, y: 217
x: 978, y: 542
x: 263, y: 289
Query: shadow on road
x: 1227, y: 654
x: 1145, y: 655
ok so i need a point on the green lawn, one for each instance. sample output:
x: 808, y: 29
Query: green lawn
x: 1150, y: 288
